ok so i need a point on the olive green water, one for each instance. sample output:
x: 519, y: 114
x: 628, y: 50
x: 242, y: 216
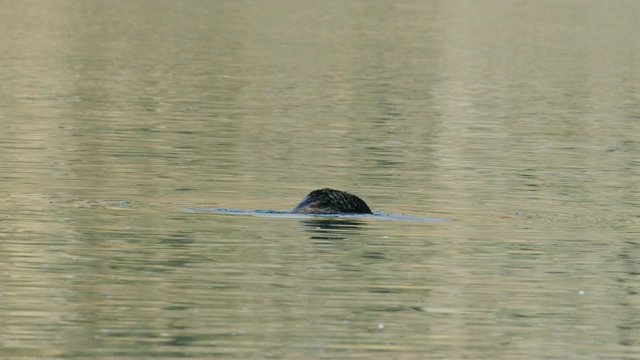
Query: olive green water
x: 517, y: 121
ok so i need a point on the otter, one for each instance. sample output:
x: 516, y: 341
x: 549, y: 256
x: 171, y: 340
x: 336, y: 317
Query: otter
x: 329, y: 201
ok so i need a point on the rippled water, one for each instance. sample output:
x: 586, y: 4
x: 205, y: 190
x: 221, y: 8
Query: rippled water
x: 126, y: 127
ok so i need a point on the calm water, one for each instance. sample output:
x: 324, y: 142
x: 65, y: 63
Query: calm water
x: 516, y: 121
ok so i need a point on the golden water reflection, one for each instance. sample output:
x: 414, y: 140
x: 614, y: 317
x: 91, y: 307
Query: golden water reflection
x: 516, y: 122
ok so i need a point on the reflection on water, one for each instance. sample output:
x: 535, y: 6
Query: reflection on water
x: 515, y: 121
x: 332, y: 228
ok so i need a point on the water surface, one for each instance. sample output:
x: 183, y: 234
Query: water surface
x: 517, y: 122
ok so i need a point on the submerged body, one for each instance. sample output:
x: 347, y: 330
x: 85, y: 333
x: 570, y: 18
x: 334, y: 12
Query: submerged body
x: 329, y: 201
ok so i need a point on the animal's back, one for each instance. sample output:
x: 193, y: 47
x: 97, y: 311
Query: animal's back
x: 329, y: 201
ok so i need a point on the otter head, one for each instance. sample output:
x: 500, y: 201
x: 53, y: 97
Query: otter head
x: 329, y: 201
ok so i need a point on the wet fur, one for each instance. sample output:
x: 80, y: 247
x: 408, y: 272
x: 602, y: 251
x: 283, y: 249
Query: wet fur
x: 329, y: 201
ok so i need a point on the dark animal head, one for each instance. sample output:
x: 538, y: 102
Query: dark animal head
x: 329, y: 201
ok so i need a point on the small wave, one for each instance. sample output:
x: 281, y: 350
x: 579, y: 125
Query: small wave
x: 288, y: 215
